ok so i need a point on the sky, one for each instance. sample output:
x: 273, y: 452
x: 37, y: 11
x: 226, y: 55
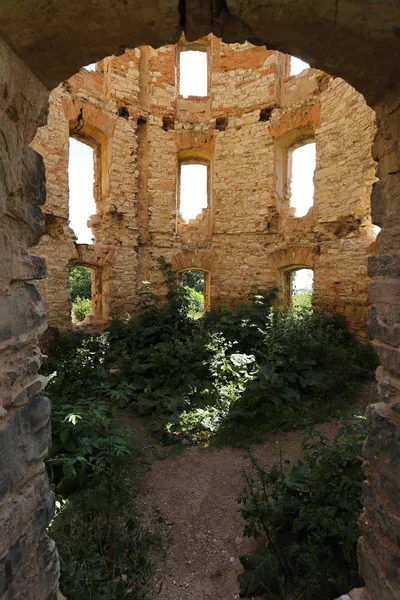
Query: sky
x: 193, y: 73
x: 193, y: 81
x: 302, y: 179
x: 297, y: 65
x: 193, y: 190
x: 303, y: 279
x: 81, y: 200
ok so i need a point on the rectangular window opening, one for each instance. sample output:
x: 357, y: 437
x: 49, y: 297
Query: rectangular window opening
x: 300, y: 283
x: 193, y: 73
x: 193, y: 190
x: 302, y: 169
x: 195, y: 283
x: 80, y: 284
x: 297, y: 65
x: 81, y: 198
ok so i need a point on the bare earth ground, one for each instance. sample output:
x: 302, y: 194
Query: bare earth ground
x: 196, y: 492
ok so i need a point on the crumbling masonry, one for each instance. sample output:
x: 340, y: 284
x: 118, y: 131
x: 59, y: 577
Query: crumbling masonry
x: 43, y: 43
x: 130, y: 111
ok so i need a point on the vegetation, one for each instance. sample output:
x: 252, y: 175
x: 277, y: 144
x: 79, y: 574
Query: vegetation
x: 226, y: 377
x: 307, y: 519
x: 194, y: 280
x: 302, y: 299
x: 235, y: 371
x: 103, y: 545
x: 81, y: 308
x: 80, y: 282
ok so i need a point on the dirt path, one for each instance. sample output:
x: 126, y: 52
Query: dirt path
x: 196, y: 492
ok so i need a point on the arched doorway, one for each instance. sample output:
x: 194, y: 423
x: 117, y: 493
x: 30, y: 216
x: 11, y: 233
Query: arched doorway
x: 46, y: 44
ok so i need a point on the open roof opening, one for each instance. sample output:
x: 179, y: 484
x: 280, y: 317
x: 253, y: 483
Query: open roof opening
x: 193, y: 76
x: 303, y: 162
x: 193, y: 190
x: 81, y: 200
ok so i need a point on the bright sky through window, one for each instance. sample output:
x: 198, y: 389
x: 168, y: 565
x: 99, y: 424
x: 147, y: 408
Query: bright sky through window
x: 302, y: 279
x: 81, y: 200
x: 91, y: 67
x: 297, y: 65
x: 193, y: 184
x: 302, y: 179
x: 193, y: 73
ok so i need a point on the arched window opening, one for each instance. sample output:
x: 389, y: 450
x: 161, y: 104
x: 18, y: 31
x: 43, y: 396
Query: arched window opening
x: 193, y: 72
x: 193, y: 189
x: 81, y: 180
x: 80, y: 282
x: 299, y: 288
x: 302, y: 163
x: 196, y: 283
x: 297, y: 65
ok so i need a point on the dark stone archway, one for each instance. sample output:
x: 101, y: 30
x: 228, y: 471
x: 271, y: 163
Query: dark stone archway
x: 43, y: 42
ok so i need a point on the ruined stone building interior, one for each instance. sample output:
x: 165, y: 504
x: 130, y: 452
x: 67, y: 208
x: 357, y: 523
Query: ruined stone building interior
x: 235, y: 137
x: 243, y: 133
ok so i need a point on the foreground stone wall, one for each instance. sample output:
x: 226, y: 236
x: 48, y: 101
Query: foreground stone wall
x: 130, y: 111
x: 28, y: 560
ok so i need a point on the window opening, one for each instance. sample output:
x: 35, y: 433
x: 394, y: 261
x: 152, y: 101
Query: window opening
x: 297, y: 65
x: 193, y: 75
x: 300, y: 287
x: 302, y: 169
x: 81, y: 199
x: 80, y: 285
x: 91, y: 67
x: 193, y: 190
x: 194, y: 282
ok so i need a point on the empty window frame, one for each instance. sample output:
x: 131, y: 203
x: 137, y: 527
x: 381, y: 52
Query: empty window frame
x: 195, y: 282
x: 193, y: 189
x: 297, y: 65
x: 193, y: 72
x: 81, y: 198
x: 299, y: 283
x: 80, y: 284
x: 301, y: 169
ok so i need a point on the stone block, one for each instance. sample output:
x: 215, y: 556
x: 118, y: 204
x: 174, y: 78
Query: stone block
x: 24, y: 440
x: 382, y: 446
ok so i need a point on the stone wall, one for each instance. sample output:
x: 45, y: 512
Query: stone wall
x: 130, y: 111
x: 28, y: 559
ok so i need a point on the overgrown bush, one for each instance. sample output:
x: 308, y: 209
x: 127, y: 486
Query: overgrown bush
x: 81, y: 308
x: 103, y: 545
x: 306, y: 516
x: 237, y: 367
x: 196, y: 303
x: 80, y: 283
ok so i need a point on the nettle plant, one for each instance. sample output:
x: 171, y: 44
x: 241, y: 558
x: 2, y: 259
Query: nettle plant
x: 305, y: 515
x: 249, y: 365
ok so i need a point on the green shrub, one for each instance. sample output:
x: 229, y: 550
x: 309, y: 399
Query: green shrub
x: 81, y: 308
x: 105, y: 550
x: 80, y: 282
x: 196, y: 303
x: 302, y: 299
x: 250, y: 365
x: 307, y: 519
x: 194, y: 280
